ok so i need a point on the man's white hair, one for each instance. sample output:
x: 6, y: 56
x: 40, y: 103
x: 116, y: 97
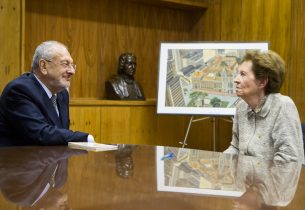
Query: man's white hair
x: 45, y: 50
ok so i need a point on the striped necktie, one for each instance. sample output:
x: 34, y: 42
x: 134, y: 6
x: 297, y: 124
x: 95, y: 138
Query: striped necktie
x: 53, y: 99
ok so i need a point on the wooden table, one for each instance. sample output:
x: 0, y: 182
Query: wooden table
x: 61, y: 178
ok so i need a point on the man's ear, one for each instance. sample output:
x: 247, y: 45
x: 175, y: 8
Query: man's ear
x: 42, y: 66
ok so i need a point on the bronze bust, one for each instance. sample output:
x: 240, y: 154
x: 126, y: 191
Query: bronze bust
x: 123, y: 86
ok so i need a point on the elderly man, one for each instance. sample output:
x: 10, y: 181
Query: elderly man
x: 34, y: 108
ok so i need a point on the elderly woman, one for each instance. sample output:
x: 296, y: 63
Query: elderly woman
x: 266, y: 123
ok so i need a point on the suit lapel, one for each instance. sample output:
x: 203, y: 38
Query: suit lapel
x: 48, y: 108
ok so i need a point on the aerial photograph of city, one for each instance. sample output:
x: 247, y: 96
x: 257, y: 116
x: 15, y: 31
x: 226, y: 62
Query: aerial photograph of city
x: 202, y: 77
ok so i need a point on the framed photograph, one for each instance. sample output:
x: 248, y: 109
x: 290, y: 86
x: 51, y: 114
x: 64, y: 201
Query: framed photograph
x: 198, y: 78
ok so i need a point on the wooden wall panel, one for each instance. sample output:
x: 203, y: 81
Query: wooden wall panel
x: 230, y: 13
x: 224, y: 133
x: 259, y: 20
x: 10, y: 40
x: 171, y: 129
x: 86, y: 119
x: 296, y: 63
x: 99, y: 31
x: 259, y: 23
x: 116, y: 124
x: 207, y: 24
x: 141, y: 125
x: 201, y: 133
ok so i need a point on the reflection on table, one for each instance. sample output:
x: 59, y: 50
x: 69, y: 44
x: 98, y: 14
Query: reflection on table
x: 32, y: 176
x: 61, y: 178
x: 255, y: 183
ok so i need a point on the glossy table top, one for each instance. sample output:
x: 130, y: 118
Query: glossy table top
x: 145, y: 177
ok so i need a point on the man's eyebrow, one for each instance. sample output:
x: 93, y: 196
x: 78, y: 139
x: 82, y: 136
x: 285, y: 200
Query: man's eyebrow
x: 67, y: 61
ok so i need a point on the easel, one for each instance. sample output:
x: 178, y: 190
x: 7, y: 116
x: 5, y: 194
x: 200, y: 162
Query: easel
x: 196, y: 120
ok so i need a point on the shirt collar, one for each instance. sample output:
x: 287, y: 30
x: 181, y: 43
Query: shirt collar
x: 262, y: 109
x: 48, y: 92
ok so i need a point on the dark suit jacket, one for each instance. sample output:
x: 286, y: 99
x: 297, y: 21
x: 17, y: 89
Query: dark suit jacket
x: 27, y: 116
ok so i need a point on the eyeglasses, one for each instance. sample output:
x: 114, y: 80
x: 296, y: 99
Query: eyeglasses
x: 65, y: 64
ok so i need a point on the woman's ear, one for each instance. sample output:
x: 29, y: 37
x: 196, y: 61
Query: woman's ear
x: 263, y: 82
